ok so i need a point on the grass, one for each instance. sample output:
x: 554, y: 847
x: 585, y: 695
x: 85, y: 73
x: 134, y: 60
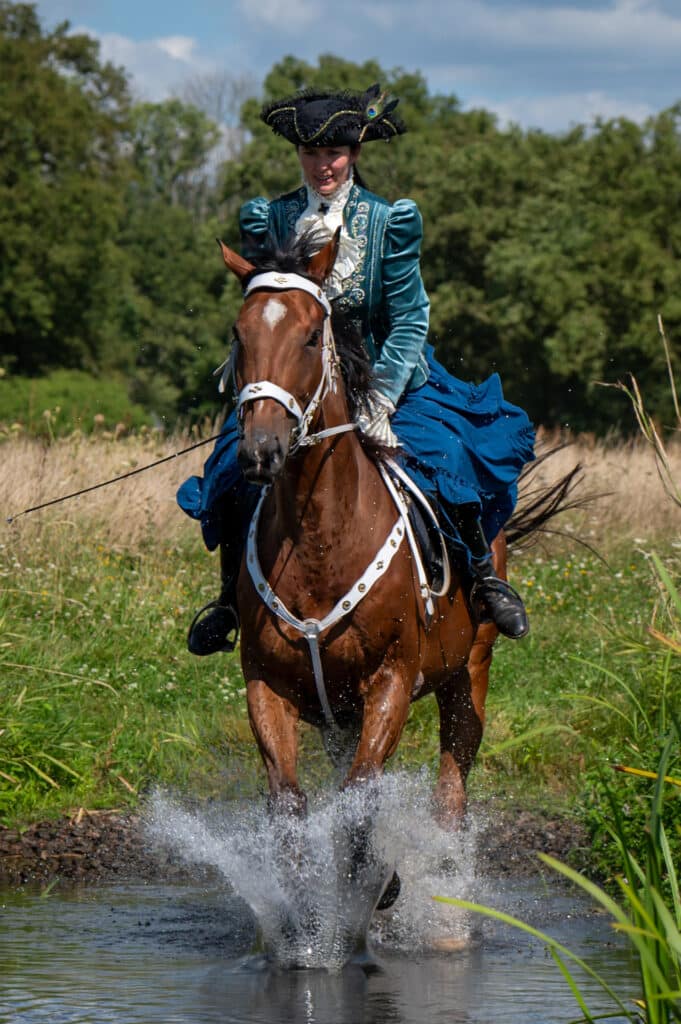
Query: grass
x: 637, y: 836
x: 542, y: 723
x: 647, y: 913
x: 99, y: 698
x: 640, y: 820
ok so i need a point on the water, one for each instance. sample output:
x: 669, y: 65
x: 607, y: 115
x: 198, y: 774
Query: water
x: 286, y: 937
x: 312, y: 903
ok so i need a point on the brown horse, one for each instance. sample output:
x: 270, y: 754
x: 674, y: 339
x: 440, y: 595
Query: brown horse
x: 324, y: 517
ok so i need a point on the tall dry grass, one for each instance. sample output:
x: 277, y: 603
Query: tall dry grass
x: 127, y: 514
x: 630, y: 500
x: 625, y: 498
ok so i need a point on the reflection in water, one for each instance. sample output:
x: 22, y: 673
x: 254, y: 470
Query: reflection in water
x: 182, y: 955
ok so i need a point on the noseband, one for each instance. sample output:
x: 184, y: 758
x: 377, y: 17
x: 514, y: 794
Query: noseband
x: 276, y: 281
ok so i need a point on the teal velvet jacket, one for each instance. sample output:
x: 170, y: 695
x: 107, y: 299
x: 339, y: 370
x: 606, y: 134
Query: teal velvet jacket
x: 385, y: 290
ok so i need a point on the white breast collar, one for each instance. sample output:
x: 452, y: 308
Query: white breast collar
x: 312, y: 629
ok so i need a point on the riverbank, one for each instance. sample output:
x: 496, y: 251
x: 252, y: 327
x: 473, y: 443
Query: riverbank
x: 91, y: 848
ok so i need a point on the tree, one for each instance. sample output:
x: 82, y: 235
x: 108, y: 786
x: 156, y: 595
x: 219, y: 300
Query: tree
x: 170, y: 307
x: 107, y: 258
x: 62, y: 177
x: 170, y: 145
x: 546, y: 257
x: 220, y: 95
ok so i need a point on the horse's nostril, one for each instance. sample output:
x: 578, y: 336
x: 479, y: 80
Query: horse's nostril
x: 261, y: 461
x: 276, y: 460
x: 244, y: 457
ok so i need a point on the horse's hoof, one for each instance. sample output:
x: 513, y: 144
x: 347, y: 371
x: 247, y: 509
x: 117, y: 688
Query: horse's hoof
x: 390, y: 893
x: 449, y: 945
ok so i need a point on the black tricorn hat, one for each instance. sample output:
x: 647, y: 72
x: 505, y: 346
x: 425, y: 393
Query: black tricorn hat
x: 313, y: 118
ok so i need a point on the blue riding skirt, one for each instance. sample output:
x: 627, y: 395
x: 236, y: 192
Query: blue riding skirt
x: 461, y: 444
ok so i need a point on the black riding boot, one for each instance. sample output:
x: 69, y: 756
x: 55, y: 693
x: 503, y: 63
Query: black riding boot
x: 210, y: 633
x: 490, y: 597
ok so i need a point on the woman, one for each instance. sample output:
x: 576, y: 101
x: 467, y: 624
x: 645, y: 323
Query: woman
x: 463, y: 444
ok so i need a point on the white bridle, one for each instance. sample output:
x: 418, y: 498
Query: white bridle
x: 312, y: 628
x: 277, y: 281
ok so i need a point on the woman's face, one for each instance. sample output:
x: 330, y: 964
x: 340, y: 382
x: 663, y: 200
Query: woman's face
x: 325, y: 168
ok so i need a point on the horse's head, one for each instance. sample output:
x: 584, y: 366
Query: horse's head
x: 282, y: 358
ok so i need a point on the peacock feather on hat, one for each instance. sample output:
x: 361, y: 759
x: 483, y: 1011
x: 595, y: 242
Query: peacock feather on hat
x: 313, y: 118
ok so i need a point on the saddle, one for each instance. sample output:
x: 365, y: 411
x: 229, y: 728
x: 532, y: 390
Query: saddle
x: 426, y: 538
x: 430, y: 544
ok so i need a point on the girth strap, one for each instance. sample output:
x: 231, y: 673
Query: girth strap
x: 415, y: 553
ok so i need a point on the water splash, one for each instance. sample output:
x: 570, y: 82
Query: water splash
x: 311, y: 887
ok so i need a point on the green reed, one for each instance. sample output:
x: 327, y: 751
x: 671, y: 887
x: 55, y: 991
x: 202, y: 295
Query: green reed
x: 647, y: 912
x: 641, y: 851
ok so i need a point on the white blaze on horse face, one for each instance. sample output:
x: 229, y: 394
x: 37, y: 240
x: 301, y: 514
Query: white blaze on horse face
x: 274, y: 311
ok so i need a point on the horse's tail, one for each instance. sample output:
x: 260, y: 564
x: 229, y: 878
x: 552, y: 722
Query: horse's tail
x: 539, y: 503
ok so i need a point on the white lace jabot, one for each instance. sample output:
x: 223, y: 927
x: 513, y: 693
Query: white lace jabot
x: 324, y: 214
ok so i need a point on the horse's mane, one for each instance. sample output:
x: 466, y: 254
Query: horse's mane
x: 293, y: 257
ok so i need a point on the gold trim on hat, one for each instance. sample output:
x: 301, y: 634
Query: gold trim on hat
x: 320, y: 130
x: 377, y: 120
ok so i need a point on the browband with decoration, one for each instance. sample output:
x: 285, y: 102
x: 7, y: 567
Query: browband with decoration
x: 280, y: 282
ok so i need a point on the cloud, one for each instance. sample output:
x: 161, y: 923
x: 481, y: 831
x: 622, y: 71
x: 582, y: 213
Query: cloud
x: 157, y: 66
x: 543, y: 63
x: 286, y: 16
x: 178, y: 47
x: 625, y: 26
x: 610, y: 27
x: 546, y: 65
x: 557, y: 113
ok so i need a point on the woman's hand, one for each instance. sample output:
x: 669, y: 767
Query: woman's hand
x: 374, y: 422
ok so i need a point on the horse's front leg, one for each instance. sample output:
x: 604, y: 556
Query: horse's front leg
x: 274, y: 722
x: 387, y: 696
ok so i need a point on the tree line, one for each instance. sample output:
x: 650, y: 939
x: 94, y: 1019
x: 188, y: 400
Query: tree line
x: 546, y: 257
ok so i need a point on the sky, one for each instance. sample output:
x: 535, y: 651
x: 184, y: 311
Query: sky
x: 545, y: 64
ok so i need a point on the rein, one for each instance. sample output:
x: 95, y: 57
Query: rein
x: 113, y: 480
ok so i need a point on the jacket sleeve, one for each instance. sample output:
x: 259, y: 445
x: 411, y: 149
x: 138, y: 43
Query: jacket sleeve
x: 405, y: 302
x: 254, y: 224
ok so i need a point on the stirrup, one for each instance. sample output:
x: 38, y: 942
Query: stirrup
x: 514, y: 626
x: 211, y: 635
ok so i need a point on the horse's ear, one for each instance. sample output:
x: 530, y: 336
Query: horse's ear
x: 237, y: 264
x: 321, y: 264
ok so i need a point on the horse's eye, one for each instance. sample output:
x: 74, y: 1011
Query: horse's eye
x: 313, y: 339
